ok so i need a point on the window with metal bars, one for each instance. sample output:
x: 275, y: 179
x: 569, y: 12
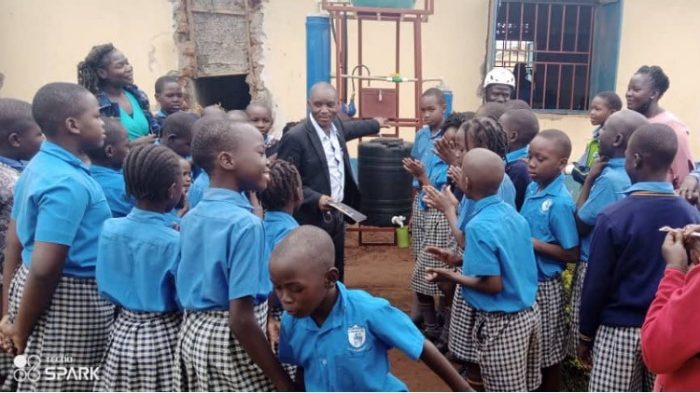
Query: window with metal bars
x: 550, y: 47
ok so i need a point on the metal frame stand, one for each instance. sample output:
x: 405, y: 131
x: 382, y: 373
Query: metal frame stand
x: 339, y: 13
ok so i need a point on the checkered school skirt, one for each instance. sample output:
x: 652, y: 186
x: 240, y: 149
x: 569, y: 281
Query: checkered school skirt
x: 460, y: 342
x: 417, y: 226
x: 436, y: 233
x: 210, y: 358
x: 508, y: 349
x: 290, y: 369
x: 550, y: 298
x: 74, y: 328
x: 140, y: 355
x: 6, y: 365
x: 617, y: 362
x: 575, y: 306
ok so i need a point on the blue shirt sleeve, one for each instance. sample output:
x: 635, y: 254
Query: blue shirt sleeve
x: 600, y: 197
x: 563, y: 225
x: 598, y: 282
x: 196, y: 192
x: 481, y: 254
x: 395, y: 329
x: 60, y: 212
x: 248, y: 250
x: 285, y: 353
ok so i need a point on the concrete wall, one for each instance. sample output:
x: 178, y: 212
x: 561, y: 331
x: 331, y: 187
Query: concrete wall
x: 454, y: 47
x: 43, y: 41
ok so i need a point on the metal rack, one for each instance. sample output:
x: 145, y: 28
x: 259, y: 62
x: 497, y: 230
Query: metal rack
x: 340, y: 13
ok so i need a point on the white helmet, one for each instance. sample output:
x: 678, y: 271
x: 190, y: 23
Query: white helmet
x: 501, y: 76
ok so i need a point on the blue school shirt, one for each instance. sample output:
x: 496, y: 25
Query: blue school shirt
x: 506, y: 191
x: 499, y: 245
x: 112, y: 183
x: 550, y: 213
x: 197, y: 188
x: 349, y: 351
x: 277, y: 226
x: 61, y: 204
x: 607, y: 189
x: 516, y: 169
x: 223, y: 253
x: 625, y: 265
x: 137, y: 258
x: 172, y: 218
x: 436, y: 170
x: 422, y: 145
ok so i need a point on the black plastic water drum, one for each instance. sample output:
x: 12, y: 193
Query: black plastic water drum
x: 384, y: 185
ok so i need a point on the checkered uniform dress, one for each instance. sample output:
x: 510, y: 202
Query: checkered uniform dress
x: 460, y: 342
x: 417, y: 226
x: 210, y: 358
x: 575, y: 306
x: 290, y: 369
x: 617, y: 362
x: 140, y: 355
x: 508, y: 349
x: 436, y: 233
x: 550, y: 299
x: 76, y: 325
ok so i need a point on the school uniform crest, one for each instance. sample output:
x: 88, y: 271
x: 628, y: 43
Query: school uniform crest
x: 357, y: 336
x: 544, y: 208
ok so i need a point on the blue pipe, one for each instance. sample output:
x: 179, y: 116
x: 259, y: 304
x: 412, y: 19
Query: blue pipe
x: 318, y: 51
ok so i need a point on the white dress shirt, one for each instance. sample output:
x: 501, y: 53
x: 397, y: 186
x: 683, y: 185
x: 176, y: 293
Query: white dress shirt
x: 334, y: 159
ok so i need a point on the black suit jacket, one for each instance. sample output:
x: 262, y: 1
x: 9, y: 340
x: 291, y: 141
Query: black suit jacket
x: 302, y: 147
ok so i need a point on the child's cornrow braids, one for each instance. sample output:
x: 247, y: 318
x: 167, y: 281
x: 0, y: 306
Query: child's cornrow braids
x: 281, y: 187
x: 454, y: 120
x: 87, y: 69
x: 488, y: 133
x: 149, y: 170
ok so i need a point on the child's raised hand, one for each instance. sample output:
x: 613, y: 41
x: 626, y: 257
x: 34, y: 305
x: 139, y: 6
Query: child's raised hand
x: 455, y: 173
x: 444, y: 255
x: 673, y: 250
x: 597, y: 167
x: 414, y: 167
x: 438, y: 274
x: 445, y: 149
x: 434, y: 199
x: 449, y: 196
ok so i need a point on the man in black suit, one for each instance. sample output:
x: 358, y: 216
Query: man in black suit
x: 317, y: 148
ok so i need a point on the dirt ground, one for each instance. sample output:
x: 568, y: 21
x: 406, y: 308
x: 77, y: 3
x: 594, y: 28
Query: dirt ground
x: 385, y: 271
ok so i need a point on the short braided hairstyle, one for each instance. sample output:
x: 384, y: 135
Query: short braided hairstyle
x: 454, y: 120
x: 149, y: 171
x: 658, y: 78
x: 487, y: 133
x: 282, y: 187
x: 87, y: 69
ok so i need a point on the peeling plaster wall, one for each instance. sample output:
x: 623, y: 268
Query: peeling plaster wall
x: 220, y: 38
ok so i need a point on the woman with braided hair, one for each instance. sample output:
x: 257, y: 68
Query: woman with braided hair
x: 106, y: 72
x: 645, y: 89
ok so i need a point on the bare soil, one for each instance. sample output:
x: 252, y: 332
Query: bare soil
x: 385, y: 271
